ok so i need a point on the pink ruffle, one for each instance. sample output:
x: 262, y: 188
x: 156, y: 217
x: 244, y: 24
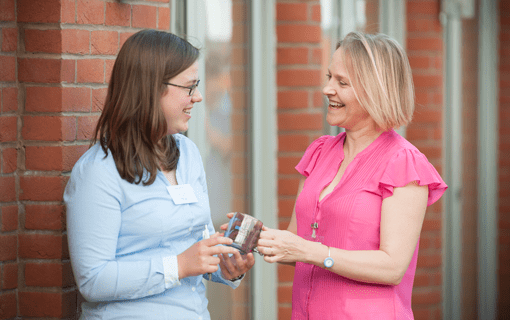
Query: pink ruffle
x: 411, y: 165
x: 312, y: 153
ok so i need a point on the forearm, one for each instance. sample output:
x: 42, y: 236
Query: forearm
x: 372, y: 266
x: 121, y: 280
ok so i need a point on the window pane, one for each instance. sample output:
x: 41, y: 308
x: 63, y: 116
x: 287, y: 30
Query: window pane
x: 227, y: 124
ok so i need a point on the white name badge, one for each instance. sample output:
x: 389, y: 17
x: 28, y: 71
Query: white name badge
x: 182, y: 194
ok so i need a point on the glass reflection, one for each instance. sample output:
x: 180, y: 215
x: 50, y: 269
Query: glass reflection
x: 226, y: 125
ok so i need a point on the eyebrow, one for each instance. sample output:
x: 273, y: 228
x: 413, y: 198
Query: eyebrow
x: 192, y: 81
x: 338, y: 77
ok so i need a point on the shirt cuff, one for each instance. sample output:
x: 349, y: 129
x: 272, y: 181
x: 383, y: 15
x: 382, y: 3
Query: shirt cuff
x: 171, y: 270
x: 237, y: 281
x: 241, y: 277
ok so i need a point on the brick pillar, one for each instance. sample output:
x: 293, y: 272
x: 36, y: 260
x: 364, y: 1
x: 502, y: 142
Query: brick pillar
x: 300, y: 110
x: 504, y: 162
x: 56, y: 58
x: 425, y: 51
x: 9, y: 151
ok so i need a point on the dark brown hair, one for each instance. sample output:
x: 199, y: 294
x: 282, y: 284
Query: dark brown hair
x: 132, y: 125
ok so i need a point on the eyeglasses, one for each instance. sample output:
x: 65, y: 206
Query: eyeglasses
x: 191, y: 88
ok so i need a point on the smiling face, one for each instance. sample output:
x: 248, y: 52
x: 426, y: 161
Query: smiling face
x: 176, y: 102
x: 344, y: 109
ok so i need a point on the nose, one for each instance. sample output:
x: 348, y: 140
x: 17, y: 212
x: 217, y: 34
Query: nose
x: 328, y: 90
x: 197, y: 96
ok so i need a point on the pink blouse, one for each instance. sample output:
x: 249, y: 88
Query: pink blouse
x: 349, y: 218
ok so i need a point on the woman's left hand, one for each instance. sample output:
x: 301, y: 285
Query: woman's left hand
x: 281, y: 246
x: 236, y: 265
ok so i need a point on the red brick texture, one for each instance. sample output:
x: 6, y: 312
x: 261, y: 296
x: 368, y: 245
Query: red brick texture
x: 425, y: 51
x: 504, y: 163
x: 9, y: 157
x: 56, y: 57
x: 299, y: 80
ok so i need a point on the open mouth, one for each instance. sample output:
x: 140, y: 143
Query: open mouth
x: 187, y: 111
x: 336, y: 105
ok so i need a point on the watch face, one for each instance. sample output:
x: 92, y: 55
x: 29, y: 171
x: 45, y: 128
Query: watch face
x: 328, y: 262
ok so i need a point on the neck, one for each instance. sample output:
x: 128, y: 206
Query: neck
x: 357, y: 140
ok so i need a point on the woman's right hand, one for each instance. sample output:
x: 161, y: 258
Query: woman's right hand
x: 202, y: 257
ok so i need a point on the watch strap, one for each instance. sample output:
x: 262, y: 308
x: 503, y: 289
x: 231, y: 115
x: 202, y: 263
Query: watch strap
x: 329, y: 262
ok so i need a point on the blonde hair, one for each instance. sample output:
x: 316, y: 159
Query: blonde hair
x: 380, y: 74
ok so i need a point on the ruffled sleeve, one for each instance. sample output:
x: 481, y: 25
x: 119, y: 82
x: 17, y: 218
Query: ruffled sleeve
x: 312, y: 153
x: 411, y: 165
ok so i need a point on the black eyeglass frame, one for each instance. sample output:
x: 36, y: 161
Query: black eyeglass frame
x: 191, y: 88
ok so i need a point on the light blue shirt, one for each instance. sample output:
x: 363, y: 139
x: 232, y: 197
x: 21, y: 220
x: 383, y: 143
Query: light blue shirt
x: 124, y: 239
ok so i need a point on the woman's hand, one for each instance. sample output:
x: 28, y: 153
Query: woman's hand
x: 235, y: 265
x: 202, y: 257
x: 281, y: 246
x: 224, y: 226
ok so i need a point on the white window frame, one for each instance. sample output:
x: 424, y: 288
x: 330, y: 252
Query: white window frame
x: 195, y: 33
x: 265, y: 150
x: 488, y: 136
x: 452, y: 151
x: 453, y: 11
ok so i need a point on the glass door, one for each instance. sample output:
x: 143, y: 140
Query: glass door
x: 221, y: 123
x: 226, y: 126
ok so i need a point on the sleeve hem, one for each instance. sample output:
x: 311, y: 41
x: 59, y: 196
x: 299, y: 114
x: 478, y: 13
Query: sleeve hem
x: 171, y: 271
x: 407, y: 166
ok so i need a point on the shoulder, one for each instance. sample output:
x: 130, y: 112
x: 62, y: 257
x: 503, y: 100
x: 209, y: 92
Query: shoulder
x: 403, y: 142
x: 398, y: 145
x: 95, y: 163
x: 93, y: 172
x: 314, y: 152
x: 325, y: 142
x: 407, y: 164
x: 186, y: 146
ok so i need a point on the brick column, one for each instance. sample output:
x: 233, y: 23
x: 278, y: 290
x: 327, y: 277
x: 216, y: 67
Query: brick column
x: 56, y: 60
x: 9, y: 151
x: 424, y: 47
x: 300, y: 110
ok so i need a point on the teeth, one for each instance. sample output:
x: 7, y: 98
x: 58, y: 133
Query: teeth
x: 187, y: 111
x: 336, y: 105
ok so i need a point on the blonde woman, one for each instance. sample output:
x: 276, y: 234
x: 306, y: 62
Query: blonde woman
x: 353, y: 236
x: 138, y: 216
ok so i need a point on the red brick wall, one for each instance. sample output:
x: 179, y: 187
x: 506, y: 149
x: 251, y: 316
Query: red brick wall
x: 9, y: 154
x: 299, y: 81
x: 55, y: 59
x: 504, y: 162
x: 425, y: 51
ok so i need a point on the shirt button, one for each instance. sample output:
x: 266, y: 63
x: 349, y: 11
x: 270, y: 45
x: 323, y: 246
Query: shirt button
x: 190, y: 228
x: 193, y: 289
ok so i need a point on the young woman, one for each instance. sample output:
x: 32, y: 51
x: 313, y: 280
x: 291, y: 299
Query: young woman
x: 138, y: 216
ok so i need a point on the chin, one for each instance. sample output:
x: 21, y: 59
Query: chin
x: 334, y: 123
